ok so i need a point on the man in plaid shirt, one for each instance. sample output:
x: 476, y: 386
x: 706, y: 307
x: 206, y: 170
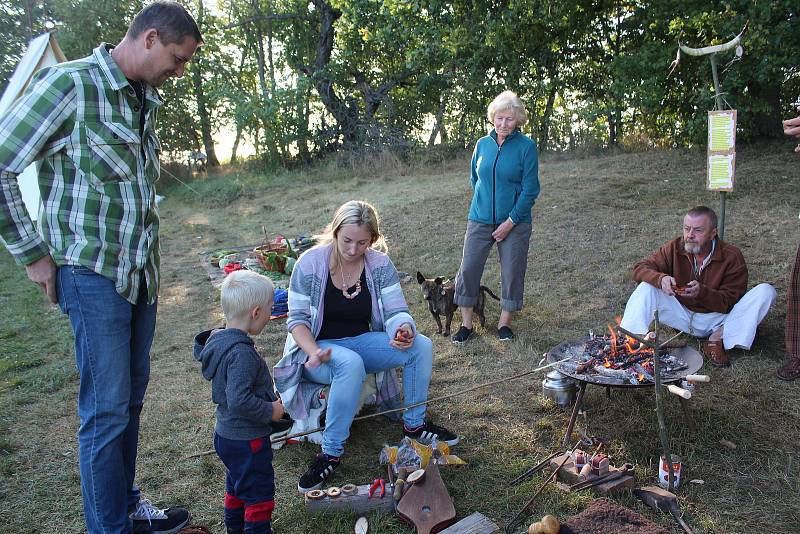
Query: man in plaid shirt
x: 91, y: 125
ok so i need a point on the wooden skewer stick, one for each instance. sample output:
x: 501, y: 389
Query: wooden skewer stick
x: 653, y: 344
x: 436, y: 399
x: 697, y: 378
x: 525, y: 509
x: 443, y: 397
x: 683, y: 393
x: 649, y: 342
x: 671, y: 339
x: 533, y: 470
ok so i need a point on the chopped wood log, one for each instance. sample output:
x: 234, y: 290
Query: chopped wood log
x: 477, y: 523
x: 358, y: 503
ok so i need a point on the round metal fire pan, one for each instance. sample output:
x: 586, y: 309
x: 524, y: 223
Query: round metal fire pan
x: 693, y: 359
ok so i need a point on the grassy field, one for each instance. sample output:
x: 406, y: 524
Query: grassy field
x: 595, y: 217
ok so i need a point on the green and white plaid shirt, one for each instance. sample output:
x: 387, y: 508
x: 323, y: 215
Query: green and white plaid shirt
x: 97, y: 175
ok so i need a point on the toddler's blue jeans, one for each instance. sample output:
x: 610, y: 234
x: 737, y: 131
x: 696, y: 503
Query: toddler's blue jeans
x: 249, y: 484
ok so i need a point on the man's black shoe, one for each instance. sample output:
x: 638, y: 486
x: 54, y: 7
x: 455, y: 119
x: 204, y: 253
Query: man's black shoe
x: 147, y: 519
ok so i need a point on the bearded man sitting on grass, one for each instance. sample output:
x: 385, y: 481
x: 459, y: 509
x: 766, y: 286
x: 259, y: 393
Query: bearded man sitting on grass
x: 698, y: 284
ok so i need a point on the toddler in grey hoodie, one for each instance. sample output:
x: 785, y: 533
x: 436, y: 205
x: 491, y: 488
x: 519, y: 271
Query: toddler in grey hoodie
x: 242, y: 389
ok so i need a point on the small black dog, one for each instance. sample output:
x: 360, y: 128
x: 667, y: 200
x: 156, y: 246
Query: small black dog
x: 439, y: 294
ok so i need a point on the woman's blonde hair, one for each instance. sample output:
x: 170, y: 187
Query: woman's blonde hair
x: 355, y: 212
x: 505, y: 101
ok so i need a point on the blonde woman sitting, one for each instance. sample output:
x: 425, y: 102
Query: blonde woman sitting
x: 348, y: 318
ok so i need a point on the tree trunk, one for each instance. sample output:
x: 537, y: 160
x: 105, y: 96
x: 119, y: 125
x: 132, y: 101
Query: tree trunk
x: 347, y: 113
x: 269, y: 53
x: 303, y: 113
x: 438, y: 127
x: 612, y: 129
x: 544, y: 126
x: 236, y: 143
x: 28, y: 16
x: 346, y: 117
x: 202, y: 110
x: 766, y: 124
x: 262, y: 77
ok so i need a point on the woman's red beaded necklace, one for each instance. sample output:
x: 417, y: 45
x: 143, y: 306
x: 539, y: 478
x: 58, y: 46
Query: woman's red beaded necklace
x: 346, y: 283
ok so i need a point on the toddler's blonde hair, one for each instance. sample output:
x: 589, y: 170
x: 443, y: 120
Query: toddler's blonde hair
x: 244, y: 290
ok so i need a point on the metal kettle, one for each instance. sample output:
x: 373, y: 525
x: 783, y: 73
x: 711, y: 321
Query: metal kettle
x: 558, y: 387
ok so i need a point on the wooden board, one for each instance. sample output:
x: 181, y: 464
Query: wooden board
x: 477, y: 523
x: 358, y: 503
x: 426, y: 504
x: 569, y: 475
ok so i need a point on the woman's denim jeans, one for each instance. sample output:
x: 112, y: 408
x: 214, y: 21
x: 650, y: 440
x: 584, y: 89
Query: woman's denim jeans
x: 112, y: 351
x: 351, y: 360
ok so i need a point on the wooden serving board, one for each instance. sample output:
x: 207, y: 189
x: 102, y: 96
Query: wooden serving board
x: 569, y: 475
x: 426, y: 504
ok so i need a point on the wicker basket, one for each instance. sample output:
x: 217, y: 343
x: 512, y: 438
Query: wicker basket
x: 280, y: 248
x: 272, y: 261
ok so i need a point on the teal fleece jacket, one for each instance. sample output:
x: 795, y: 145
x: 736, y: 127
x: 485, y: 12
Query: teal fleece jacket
x: 505, y: 179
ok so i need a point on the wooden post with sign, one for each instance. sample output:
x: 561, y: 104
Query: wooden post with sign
x: 721, y: 127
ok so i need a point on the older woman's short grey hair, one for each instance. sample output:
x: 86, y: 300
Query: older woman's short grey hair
x: 508, y: 101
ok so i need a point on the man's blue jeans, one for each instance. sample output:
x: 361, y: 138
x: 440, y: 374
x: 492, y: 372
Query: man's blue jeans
x: 351, y: 360
x: 112, y: 352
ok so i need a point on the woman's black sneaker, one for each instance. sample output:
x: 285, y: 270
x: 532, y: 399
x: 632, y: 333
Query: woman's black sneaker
x: 462, y: 335
x: 428, y: 432
x: 318, y: 472
x: 505, y: 333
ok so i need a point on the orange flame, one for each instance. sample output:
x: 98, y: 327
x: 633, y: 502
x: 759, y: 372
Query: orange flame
x: 613, y: 341
x: 607, y: 363
x: 641, y: 377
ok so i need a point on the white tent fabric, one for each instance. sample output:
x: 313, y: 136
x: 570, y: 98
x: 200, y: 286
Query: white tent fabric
x: 43, y: 51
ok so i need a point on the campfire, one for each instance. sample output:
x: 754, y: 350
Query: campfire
x: 616, y: 357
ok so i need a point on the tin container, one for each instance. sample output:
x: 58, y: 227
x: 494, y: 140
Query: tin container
x: 600, y: 463
x: 558, y: 387
x: 663, y: 471
x: 579, y: 458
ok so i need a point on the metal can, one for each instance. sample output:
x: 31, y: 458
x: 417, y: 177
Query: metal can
x: 663, y: 471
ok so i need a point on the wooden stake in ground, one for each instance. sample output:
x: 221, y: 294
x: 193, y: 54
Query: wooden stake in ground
x: 662, y: 427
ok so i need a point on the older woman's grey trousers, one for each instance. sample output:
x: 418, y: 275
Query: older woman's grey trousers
x: 513, y: 252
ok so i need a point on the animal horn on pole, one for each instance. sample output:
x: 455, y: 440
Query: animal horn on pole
x: 715, y: 49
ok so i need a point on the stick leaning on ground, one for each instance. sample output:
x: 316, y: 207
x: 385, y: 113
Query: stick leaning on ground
x: 436, y: 399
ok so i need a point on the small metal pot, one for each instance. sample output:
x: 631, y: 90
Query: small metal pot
x: 558, y: 387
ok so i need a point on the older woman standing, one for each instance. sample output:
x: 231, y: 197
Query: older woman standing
x: 505, y: 184
x: 348, y: 318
